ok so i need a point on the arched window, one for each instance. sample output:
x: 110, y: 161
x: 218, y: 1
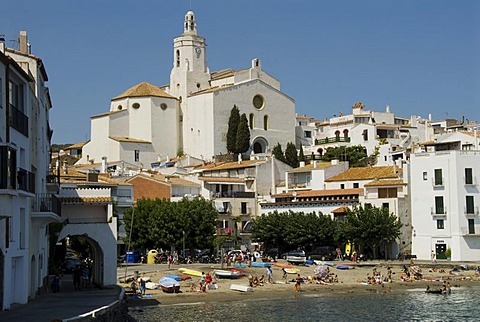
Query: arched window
x: 252, y: 121
x: 337, y: 135
x: 345, y: 134
x: 320, y: 151
x: 265, y: 122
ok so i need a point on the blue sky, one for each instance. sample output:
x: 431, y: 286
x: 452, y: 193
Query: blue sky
x: 419, y: 57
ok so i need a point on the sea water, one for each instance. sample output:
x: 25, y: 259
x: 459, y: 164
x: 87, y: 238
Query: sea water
x: 412, y: 305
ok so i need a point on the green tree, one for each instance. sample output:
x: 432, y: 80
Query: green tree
x: 301, y: 156
x: 162, y: 224
x: 353, y: 154
x: 291, y: 230
x: 243, y: 135
x: 278, y: 152
x: 233, y: 122
x: 291, y: 156
x: 371, y: 226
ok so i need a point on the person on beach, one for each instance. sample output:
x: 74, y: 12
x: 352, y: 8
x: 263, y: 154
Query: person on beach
x: 208, y: 280
x: 298, y: 280
x: 269, y: 275
x: 434, y: 259
x: 285, y: 275
x: 169, y: 261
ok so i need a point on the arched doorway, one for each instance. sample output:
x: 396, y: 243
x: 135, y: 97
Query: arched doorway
x: 259, y: 145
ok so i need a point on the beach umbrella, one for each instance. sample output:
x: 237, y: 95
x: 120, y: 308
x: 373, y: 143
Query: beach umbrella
x: 321, y: 271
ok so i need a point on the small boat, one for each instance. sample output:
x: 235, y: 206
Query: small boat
x: 309, y: 262
x: 344, y: 267
x: 260, y: 264
x: 190, y: 272
x: 240, y: 265
x: 184, y: 277
x: 292, y: 270
x: 144, y: 278
x: 151, y: 286
x: 325, y: 263
x: 241, y: 288
x: 219, y: 273
x: 240, y: 271
x: 283, y: 265
x: 175, y: 277
x: 169, y: 285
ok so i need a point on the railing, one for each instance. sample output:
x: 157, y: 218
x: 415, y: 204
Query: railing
x: 472, y: 181
x: 235, y: 194
x: 438, y: 211
x: 47, y: 202
x: 471, y: 211
x: 18, y: 120
x: 332, y: 140
x: 438, y: 182
x: 467, y: 231
x: 224, y: 231
x: 26, y: 180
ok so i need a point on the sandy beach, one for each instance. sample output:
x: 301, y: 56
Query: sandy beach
x: 350, y: 281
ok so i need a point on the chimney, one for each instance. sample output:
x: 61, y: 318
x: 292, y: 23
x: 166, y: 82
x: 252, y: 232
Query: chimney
x: 302, y: 163
x: 23, y: 42
x: 104, y: 164
x: 65, y: 167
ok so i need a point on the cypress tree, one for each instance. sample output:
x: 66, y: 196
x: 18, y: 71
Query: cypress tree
x: 278, y: 153
x: 233, y: 122
x: 243, y: 135
x: 301, y: 157
x: 291, y: 156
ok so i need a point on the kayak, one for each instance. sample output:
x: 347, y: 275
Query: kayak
x: 191, y: 272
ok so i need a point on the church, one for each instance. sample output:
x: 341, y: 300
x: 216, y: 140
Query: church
x: 189, y: 116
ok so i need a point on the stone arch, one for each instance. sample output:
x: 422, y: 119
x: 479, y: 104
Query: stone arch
x: 103, y: 244
x: 259, y: 145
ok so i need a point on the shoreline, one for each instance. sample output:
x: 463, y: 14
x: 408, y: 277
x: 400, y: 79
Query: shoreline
x: 349, y: 283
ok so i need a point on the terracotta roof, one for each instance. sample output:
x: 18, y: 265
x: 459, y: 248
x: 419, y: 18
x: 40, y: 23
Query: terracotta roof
x: 143, y: 90
x: 394, y: 182
x: 158, y: 177
x: 322, y: 193
x: 221, y: 179
x: 82, y: 200
x: 76, y: 145
x: 130, y: 140
x: 365, y: 173
x: 235, y: 165
x: 176, y: 181
x: 341, y: 210
x: 320, y: 165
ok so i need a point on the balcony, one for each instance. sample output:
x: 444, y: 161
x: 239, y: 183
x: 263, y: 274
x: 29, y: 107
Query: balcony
x: 439, y: 212
x: 438, y: 182
x: 26, y: 180
x: 332, y: 140
x: 471, y: 211
x: 47, y: 202
x: 18, y: 120
x: 224, y: 231
x: 470, y: 181
x: 470, y: 231
x: 235, y: 194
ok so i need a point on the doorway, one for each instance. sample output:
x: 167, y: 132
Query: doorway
x: 440, y: 250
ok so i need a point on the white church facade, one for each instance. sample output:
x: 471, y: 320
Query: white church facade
x: 190, y: 115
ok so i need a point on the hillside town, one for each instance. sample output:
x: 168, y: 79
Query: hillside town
x: 170, y: 142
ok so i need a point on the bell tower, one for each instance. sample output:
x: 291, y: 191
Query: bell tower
x: 190, y: 72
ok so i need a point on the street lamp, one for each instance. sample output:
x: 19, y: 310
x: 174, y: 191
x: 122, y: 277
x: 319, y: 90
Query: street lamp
x: 183, y: 232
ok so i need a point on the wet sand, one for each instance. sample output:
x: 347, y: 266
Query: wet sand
x: 351, y: 281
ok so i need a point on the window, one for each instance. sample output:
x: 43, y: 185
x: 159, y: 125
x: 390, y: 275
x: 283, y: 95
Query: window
x: 8, y: 168
x: 137, y: 155
x: 355, y: 184
x: 265, y: 122
x: 342, y: 186
x: 470, y: 205
x: 387, y: 192
x: 163, y: 106
x: 471, y: 226
x: 438, y: 179
x: 365, y: 135
x: 243, y: 207
x: 386, y: 205
x: 425, y: 176
x: 136, y: 105
x: 16, y: 95
x: 307, y: 134
x: 439, y: 207
x: 258, y: 102
x: 440, y: 224
x: 251, y: 120
x: 468, y: 176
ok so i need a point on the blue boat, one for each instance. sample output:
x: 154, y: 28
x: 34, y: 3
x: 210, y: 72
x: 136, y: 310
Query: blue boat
x: 174, y: 277
x: 260, y: 264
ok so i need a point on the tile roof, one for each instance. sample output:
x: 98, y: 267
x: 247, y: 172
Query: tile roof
x: 143, y: 89
x: 319, y: 165
x: 127, y: 139
x: 322, y: 193
x: 366, y: 173
x: 158, y: 177
x: 236, y: 165
x: 341, y: 210
x: 76, y: 145
x: 393, y: 182
x: 222, y: 179
x: 82, y: 200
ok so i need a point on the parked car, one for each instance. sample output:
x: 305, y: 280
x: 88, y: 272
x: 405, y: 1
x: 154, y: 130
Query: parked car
x: 295, y: 257
x: 70, y: 264
x: 324, y: 253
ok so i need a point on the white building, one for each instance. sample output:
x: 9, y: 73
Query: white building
x: 190, y: 115
x: 445, y: 198
x: 26, y: 206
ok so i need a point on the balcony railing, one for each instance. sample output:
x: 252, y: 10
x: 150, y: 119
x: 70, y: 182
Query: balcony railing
x: 224, y: 231
x: 47, y: 202
x: 18, y: 120
x: 332, y: 140
x: 438, y: 182
x: 472, y: 181
x: 438, y: 211
x: 472, y: 231
x: 26, y: 180
x: 471, y: 211
x: 235, y: 194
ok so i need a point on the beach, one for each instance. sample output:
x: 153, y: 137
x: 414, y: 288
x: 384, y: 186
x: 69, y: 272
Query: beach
x: 350, y: 281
